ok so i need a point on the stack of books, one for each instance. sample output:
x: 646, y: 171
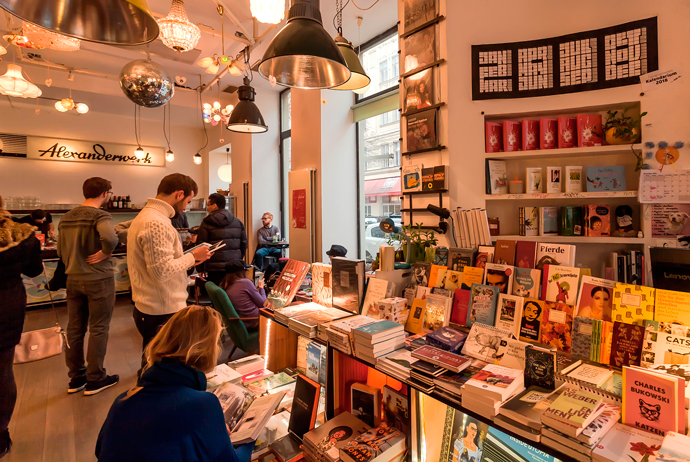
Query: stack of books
x: 340, y: 332
x: 447, y: 338
x: 378, y: 339
x: 323, y: 443
x: 307, y: 324
x: 379, y: 444
x: 283, y: 315
x: 423, y: 374
x: 488, y: 389
x: 248, y: 365
x: 397, y: 364
x: 394, y: 309
x: 521, y: 414
x: 450, y: 383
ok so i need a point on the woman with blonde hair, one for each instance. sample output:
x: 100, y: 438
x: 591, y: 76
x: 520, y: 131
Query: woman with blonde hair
x: 169, y: 416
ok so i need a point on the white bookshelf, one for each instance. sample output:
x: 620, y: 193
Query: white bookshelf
x: 573, y: 239
x: 565, y: 152
x: 561, y: 196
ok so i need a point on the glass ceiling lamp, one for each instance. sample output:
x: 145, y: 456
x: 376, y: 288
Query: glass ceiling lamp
x: 302, y: 54
x: 268, y: 11
x: 43, y: 38
x: 116, y: 22
x: 225, y: 170
x: 67, y: 104
x: 198, y: 159
x: 176, y: 30
x: 14, y: 84
x: 246, y: 117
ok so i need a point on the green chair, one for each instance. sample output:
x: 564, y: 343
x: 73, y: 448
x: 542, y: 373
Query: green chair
x: 247, y: 341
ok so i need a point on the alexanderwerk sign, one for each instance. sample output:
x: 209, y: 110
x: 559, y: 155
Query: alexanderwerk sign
x: 62, y: 150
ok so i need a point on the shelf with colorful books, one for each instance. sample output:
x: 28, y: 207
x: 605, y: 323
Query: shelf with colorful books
x: 561, y: 196
x: 565, y: 152
x: 574, y: 239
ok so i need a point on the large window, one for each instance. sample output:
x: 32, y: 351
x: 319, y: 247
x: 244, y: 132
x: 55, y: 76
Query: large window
x: 379, y: 57
x: 285, y: 158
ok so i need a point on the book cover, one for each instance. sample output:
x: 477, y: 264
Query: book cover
x: 234, y: 400
x: 313, y: 361
x: 511, y: 353
x: 427, y: 178
x: 560, y: 284
x: 591, y: 374
x: 650, y: 401
x: 499, y: 276
x: 483, y: 301
x: 633, y: 304
x: 528, y: 406
x: 589, y: 130
x: 548, y: 221
x: 483, y: 342
x: 255, y: 418
x: 365, y: 402
x: 334, y: 434
x: 530, y: 134
x: 441, y: 256
x: 610, y: 178
x: 512, y: 133
x: 525, y: 254
x: 626, y: 345
x: 623, y: 442
x: 675, y: 448
x: 453, y: 280
x: 421, y: 130
x: 594, y: 298
x: 533, y: 185
x: 441, y: 358
x: 461, y: 305
x: 527, y: 283
x: 304, y: 406
x: 415, y: 321
x: 567, y: 132
x: 322, y: 284
x: 437, y: 275
x: 287, y: 285
x: 509, y: 313
x: 573, y: 407
x: 268, y: 384
x: 311, y: 321
x: 530, y: 324
x: 421, y: 271
x: 553, y: 180
x: 485, y: 254
x: 437, y: 314
x: 672, y: 307
x: 284, y: 314
x: 597, y: 220
x: 412, y: 178
x: 540, y: 368
x: 596, y: 430
x: 471, y: 275
x: 582, y: 337
x: 556, y: 326
x: 458, y: 259
x: 505, y: 252
x: 661, y: 346
x: 573, y: 179
x: 497, y: 178
x: 348, y: 284
x: 378, y: 329
x: 493, y: 133
x: 496, y: 379
x: 377, y: 289
x: 555, y: 254
x: 434, y: 178
x: 371, y: 445
x: 395, y: 408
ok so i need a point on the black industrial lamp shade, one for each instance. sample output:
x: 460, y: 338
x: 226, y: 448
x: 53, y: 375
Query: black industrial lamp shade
x: 117, y: 22
x: 302, y: 54
x: 246, y: 117
x: 358, y: 77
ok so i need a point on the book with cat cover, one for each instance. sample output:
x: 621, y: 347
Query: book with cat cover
x: 509, y: 313
x: 560, y: 284
x: 632, y: 304
x: 437, y: 275
x: 672, y: 306
x: 530, y: 324
x: 500, y: 276
x: 458, y: 258
x: 555, y: 254
x: 287, y: 285
x: 472, y: 275
x: 461, y: 305
x: 594, y: 298
x: 557, y: 325
x: 505, y: 252
x: 412, y: 178
x: 582, y: 337
x: 511, y: 353
x: 527, y: 282
x: 453, y: 280
x: 348, y: 284
x: 652, y: 401
x: 540, y: 367
x: 322, y: 284
x: 483, y: 301
x: 623, y: 442
x: 626, y: 344
x: 525, y: 254
x: 483, y: 342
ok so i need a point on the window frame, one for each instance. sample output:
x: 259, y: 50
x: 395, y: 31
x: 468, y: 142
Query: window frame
x: 283, y: 180
x: 385, y: 35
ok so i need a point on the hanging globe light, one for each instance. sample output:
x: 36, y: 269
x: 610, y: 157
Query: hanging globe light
x: 82, y: 108
x: 14, y: 84
x: 67, y: 103
x: 139, y: 153
x: 197, y: 159
x: 169, y: 156
x: 60, y: 107
x: 268, y: 11
x: 225, y: 170
x: 176, y: 30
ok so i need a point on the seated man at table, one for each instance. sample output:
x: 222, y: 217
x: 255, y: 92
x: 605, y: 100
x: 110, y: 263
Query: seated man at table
x: 265, y: 236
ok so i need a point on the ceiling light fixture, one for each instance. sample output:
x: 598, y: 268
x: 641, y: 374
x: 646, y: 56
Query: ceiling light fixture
x: 302, y: 54
x: 117, y: 22
x: 358, y: 78
x: 14, y: 84
x: 198, y: 159
x: 67, y: 104
x: 363, y: 90
x: 177, y: 32
x: 213, y: 63
x: 246, y: 117
x: 139, y: 151
x: 169, y: 155
x: 43, y: 38
x: 268, y: 11
x: 225, y: 170
x: 213, y: 114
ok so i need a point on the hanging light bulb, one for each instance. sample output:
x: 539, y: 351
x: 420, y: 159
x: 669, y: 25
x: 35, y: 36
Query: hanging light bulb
x: 268, y: 11
x: 176, y: 31
x: 82, y: 108
x: 207, y: 120
x: 216, y: 117
x: 216, y: 105
x: 197, y: 158
x: 68, y: 103
x: 358, y: 77
x: 60, y: 107
x: 225, y: 170
x: 139, y: 153
x: 169, y: 156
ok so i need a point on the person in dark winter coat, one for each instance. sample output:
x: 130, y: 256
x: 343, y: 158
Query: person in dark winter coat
x: 20, y: 253
x: 221, y: 225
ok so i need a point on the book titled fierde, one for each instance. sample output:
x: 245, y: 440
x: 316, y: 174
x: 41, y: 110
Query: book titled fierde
x: 555, y: 254
x: 288, y: 284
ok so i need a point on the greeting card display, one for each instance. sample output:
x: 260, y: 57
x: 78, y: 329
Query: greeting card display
x: 421, y: 130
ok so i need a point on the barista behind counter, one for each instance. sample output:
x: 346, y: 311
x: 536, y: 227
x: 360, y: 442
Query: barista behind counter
x: 40, y: 219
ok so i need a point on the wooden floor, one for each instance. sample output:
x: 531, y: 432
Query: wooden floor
x: 50, y: 425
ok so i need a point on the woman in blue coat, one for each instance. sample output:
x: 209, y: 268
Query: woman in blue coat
x: 169, y: 416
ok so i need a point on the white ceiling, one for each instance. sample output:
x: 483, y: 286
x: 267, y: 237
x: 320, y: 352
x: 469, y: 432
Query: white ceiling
x: 99, y: 93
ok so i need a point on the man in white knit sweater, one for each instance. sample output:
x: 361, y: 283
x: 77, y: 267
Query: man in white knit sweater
x: 157, y: 266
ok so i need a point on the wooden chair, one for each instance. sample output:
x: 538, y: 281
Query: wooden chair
x: 247, y: 341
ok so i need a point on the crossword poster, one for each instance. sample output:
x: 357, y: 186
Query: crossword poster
x: 603, y: 58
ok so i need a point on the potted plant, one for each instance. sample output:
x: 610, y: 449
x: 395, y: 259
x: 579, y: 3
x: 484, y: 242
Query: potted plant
x: 619, y: 128
x: 420, y: 240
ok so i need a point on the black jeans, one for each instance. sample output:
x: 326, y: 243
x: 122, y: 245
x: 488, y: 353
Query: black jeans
x: 148, y: 326
x: 90, y: 306
x: 8, y: 387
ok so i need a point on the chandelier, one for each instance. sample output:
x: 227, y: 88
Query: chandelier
x: 43, y: 38
x: 176, y: 30
x: 68, y: 104
x: 213, y: 114
x: 268, y: 11
x: 14, y: 84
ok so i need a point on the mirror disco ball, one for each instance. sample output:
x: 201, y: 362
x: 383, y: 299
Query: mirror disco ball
x: 146, y: 83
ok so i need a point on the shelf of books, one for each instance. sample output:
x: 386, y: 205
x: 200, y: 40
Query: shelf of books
x: 572, y: 239
x: 561, y: 196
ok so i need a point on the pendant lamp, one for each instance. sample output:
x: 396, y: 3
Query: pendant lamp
x: 246, y: 117
x: 302, y: 54
x: 198, y: 159
x: 177, y: 32
x: 225, y: 170
x: 14, y: 84
x: 116, y: 22
x: 268, y: 11
x: 358, y: 78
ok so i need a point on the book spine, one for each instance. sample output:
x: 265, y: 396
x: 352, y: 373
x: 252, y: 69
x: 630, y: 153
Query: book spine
x: 486, y: 230
x: 521, y: 221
